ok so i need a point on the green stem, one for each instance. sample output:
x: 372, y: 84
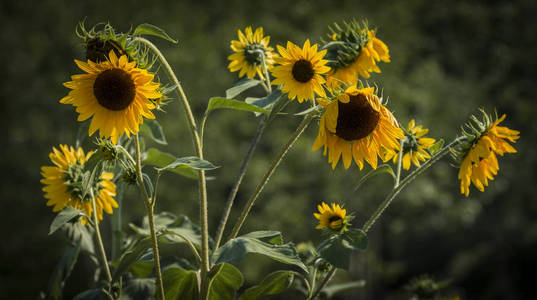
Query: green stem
x: 150, y: 217
x: 397, y: 188
x: 233, y: 193
x: 323, y: 283
x: 116, y: 223
x: 269, y: 173
x: 204, y: 285
x: 399, y: 163
x: 104, y: 260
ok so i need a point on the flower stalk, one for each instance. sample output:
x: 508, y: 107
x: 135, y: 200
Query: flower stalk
x: 201, y: 174
x: 104, y: 260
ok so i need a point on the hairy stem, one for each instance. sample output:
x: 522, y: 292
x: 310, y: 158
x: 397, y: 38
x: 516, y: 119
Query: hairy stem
x: 233, y: 193
x: 269, y: 173
x: 397, y: 188
x: 104, y: 260
x: 150, y: 216
x: 326, y: 279
x: 399, y: 163
x: 201, y: 174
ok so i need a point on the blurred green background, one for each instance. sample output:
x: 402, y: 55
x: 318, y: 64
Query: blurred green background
x: 448, y: 59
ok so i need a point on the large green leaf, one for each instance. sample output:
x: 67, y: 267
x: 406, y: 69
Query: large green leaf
x: 153, y: 130
x: 236, y: 249
x: 272, y: 284
x: 224, y: 282
x: 160, y: 159
x: 337, y: 249
x: 78, y: 232
x: 267, y: 102
x: 131, y: 255
x: 192, y: 162
x: 138, y: 288
x: 379, y: 170
x: 66, y: 215
x: 62, y: 271
x: 89, y: 294
x: 179, y: 284
x: 267, y: 236
x: 220, y: 103
x: 241, y: 86
x: 148, y: 29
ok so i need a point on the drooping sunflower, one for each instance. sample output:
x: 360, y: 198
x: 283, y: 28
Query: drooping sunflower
x: 477, y: 154
x: 414, y: 146
x: 357, y: 125
x: 354, y: 51
x: 63, y: 183
x: 249, y: 51
x: 115, y: 94
x: 334, y: 218
x: 300, y: 71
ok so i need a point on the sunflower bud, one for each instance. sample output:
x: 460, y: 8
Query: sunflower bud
x: 129, y: 176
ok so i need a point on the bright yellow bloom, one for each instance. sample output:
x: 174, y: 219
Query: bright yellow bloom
x: 331, y: 217
x: 115, y: 93
x: 365, y: 62
x: 479, y: 163
x: 63, y: 183
x: 414, y: 146
x: 300, y: 71
x: 357, y: 125
x: 248, y: 53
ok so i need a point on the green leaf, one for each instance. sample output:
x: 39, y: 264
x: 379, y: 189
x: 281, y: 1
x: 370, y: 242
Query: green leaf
x: 191, y: 162
x: 148, y: 29
x: 89, y: 295
x: 179, y: 284
x: 336, y: 251
x: 62, y: 271
x: 356, y: 238
x: 78, y: 232
x: 224, y: 282
x: 278, y: 106
x: 160, y: 159
x: 219, y: 103
x: 307, y: 111
x: 138, y: 288
x: 272, y: 284
x: 436, y: 146
x: 333, y: 290
x: 153, y: 130
x: 271, y: 237
x: 241, y: 86
x: 379, y: 170
x: 66, y: 215
x: 265, y: 102
x: 144, y: 266
x: 131, y: 255
x: 236, y: 249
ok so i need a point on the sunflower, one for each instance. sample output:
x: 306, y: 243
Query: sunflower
x: 354, y: 52
x: 334, y: 217
x: 414, y: 146
x: 300, y: 71
x: 63, y: 183
x: 478, y: 154
x: 357, y: 125
x: 115, y: 93
x: 249, y: 50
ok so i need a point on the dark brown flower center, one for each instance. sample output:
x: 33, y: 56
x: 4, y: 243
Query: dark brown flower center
x: 334, y: 219
x: 356, y: 119
x: 114, y: 89
x: 303, y: 71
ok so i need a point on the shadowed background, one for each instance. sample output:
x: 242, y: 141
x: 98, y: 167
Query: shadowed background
x: 448, y: 59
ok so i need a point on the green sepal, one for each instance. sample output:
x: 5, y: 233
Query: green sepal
x: 149, y: 29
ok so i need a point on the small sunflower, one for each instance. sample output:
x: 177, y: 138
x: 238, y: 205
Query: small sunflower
x: 334, y: 218
x: 414, y: 146
x: 300, y: 71
x: 248, y: 53
x: 63, y: 183
x: 357, y: 125
x: 115, y: 93
x: 477, y: 155
x: 354, y: 51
